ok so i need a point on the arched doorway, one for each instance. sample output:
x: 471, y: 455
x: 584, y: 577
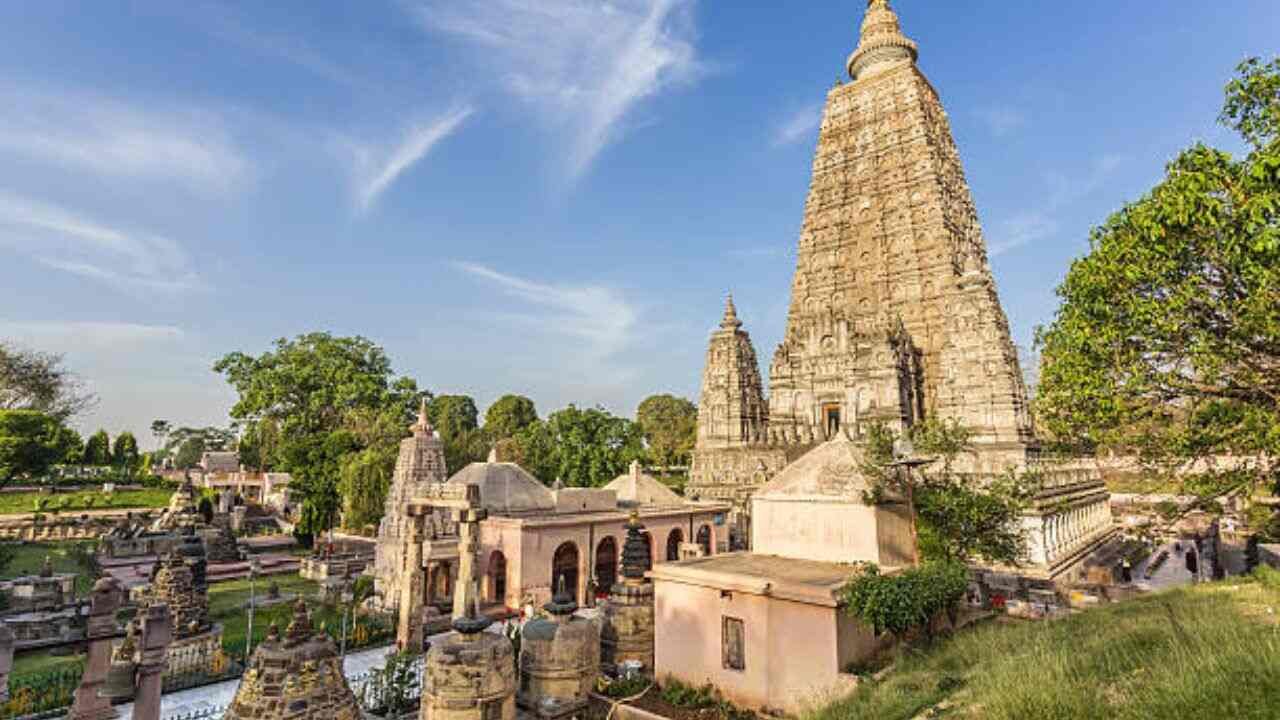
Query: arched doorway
x: 606, y: 566
x: 704, y: 539
x: 440, y: 586
x: 673, y: 545
x: 498, y: 577
x: 564, y: 564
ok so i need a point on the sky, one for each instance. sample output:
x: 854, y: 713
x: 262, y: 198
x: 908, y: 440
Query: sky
x: 548, y: 197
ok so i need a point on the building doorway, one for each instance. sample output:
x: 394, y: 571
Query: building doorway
x: 498, y: 577
x: 564, y: 565
x: 704, y: 539
x: 606, y: 566
x: 673, y: 545
x: 831, y: 419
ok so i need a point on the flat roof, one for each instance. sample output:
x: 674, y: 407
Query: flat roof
x: 809, y: 581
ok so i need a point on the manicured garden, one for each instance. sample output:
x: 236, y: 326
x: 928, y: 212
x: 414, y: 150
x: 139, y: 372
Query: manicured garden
x: 49, y: 504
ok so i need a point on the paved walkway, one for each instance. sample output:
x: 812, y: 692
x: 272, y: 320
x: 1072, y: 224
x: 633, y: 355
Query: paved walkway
x: 1172, y: 573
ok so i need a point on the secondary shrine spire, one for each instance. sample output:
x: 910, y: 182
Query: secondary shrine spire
x: 882, y: 44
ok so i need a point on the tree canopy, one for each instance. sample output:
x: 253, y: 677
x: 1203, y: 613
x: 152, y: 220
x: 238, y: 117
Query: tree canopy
x: 38, y: 381
x: 457, y: 420
x: 1167, y: 340
x: 582, y: 448
x: 510, y: 414
x: 317, y: 390
x: 97, y: 449
x: 30, y: 443
x: 124, y: 454
x: 670, y: 427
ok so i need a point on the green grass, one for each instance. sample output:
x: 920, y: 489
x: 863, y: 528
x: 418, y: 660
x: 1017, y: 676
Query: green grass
x: 1207, y: 651
x: 227, y: 606
x: 76, y: 502
x: 28, y: 559
x: 40, y: 661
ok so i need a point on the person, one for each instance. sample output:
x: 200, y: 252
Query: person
x: 1126, y: 571
x: 1193, y: 563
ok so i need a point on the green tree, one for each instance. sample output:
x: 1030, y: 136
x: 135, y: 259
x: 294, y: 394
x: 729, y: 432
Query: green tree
x: 70, y: 446
x: 29, y: 444
x: 508, y: 416
x: 97, y: 449
x: 456, y: 418
x: 582, y: 448
x: 160, y: 431
x: 125, y: 452
x: 38, y: 381
x: 670, y: 427
x: 189, y: 453
x: 365, y: 479
x: 1167, y: 340
x: 311, y: 388
x: 960, y: 517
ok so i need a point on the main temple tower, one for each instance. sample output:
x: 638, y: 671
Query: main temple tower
x: 894, y: 313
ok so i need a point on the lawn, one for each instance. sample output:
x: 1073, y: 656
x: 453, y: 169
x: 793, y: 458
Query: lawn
x: 73, y: 502
x: 1206, y: 651
x: 28, y: 559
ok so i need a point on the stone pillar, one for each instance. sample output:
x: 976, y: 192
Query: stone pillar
x: 409, y: 635
x: 626, y: 637
x: 467, y: 583
x: 157, y: 633
x: 103, y: 604
x: 6, y: 661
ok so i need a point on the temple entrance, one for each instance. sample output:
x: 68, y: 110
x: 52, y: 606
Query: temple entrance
x: 498, y: 577
x: 831, y: 419
x: 564, y: 564
x: 704, y: 539
x: 440, y: 586
x: 673, y: 545
x: 606, y: 566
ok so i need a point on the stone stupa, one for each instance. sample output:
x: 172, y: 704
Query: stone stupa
x: 298, y: 677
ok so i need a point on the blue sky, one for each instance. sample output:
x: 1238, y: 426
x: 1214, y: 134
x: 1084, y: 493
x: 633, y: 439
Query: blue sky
x: 541, y: 196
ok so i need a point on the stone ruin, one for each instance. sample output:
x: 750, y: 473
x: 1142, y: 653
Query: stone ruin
x: 43, y: 609
x: 471, y: 675
x: 295, y: 677
x: 559, y: 660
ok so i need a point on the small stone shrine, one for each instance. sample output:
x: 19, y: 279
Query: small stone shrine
x: 471, y: 675
x: 626, y: 638
x: 197, y: 643
x: 45, y: 592
x: 298, y: 677
x: 559, y: 660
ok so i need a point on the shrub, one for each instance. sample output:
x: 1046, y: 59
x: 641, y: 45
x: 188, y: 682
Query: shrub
x: 908, y: 600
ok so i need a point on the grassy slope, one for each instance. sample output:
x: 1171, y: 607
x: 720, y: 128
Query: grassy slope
x: 1207, y: 651
x: 24, y: 503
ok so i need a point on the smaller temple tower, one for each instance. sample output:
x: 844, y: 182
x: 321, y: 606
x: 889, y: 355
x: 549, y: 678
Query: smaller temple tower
x: 732, y: 410
x: 626, y: 639
x: 420, y: 465
x: 559, y: 660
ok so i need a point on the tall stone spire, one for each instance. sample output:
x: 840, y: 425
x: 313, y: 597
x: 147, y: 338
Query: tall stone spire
x: 731, y: 410
x: 894, y: 313
x: 882, y: 45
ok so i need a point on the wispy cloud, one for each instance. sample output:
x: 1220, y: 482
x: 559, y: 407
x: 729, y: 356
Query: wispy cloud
x: 378, y: 169
x: 1001, y: 119
x: 1039, y: 223
x: 599, y: 316
x: 75, y: 335
x: 583, y: 65
x: 799, y: 125
x: 63, y: 240
x: 83, y: 131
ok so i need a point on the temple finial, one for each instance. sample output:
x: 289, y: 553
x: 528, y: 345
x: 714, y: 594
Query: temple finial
x: 424, y: 423
x: 882, y: 45
x: 730, y: 321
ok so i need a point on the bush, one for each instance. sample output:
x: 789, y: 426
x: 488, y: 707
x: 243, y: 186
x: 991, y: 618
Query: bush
x: 911, y: 599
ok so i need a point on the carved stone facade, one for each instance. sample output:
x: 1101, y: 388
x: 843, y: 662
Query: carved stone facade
x: 894, y: 314
x: 419, y: 467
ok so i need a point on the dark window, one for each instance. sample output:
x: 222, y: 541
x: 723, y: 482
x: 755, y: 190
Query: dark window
x: 831, y: 414
x: 733, y: 639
